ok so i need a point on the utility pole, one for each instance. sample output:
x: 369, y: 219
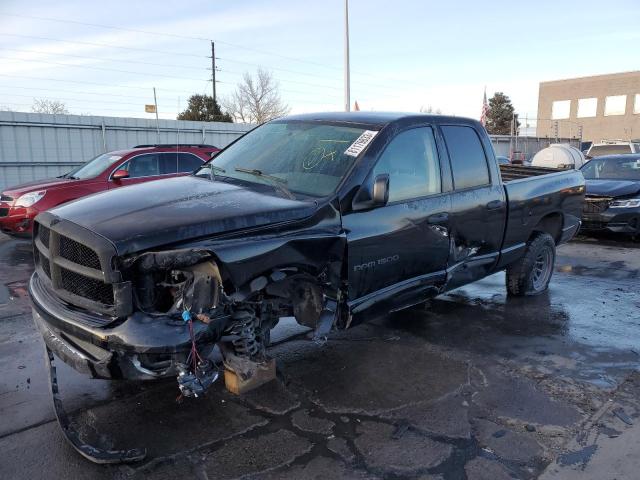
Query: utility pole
x: 155, y: 101
x: 347, y: 86
x: 213, y: 70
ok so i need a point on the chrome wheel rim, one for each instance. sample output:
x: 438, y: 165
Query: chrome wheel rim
x: 542, y: 269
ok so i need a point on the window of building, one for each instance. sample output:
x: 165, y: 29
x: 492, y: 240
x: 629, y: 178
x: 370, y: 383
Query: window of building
x: 587, y: 107
x: 560, y: 109
x: 468, y: 160
x: 636, y: 107
x: 411, y: 160
x: 615, y: 105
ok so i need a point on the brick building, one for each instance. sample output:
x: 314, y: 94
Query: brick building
x: 604, y: 107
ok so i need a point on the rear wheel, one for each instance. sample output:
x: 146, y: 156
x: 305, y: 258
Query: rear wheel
x: 531, y: 274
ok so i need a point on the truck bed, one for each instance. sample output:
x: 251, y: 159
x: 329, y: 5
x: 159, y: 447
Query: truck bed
x: 532, y: 194
x: 510, y: 173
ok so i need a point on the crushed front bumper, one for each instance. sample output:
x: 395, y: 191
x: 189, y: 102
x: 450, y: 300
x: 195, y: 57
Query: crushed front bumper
x: 140, y: 347
x: 618, y: 220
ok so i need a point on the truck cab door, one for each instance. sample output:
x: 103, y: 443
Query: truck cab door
x: 397, y: 250
x: 478, y: 206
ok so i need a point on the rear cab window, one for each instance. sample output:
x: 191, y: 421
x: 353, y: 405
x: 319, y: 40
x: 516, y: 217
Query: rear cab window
x: 468, y: 158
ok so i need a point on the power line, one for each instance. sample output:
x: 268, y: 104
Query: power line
x: 142, y: 101
x: 165, y: 34
x: 111, y: 27
x: 92, y: 67
x: 93, y: 44
x: 90, y: 83
x: 137, y: 62
x: 388, y: 95
x: 189, y: 37
x: 297, y: 72
x: 140, y: 73
x: 77, y: 107
x: 185, y: 94
x: 285, y: 80
x: 75, y: 99
x: 101, y: 94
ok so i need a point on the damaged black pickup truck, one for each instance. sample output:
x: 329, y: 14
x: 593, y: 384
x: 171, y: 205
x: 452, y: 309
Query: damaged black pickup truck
x: 331, y: 218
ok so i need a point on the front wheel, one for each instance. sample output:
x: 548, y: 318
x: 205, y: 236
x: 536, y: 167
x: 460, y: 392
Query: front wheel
x: 531, y: 274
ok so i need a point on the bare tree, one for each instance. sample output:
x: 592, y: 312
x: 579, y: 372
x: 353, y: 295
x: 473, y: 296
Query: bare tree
x: 43, y: 105
x: 256, y: 99
x: 430, y: 109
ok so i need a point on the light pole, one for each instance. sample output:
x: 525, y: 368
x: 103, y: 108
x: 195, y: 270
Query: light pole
x: 347, y: 87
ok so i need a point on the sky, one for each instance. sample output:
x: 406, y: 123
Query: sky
x: 104, y: 58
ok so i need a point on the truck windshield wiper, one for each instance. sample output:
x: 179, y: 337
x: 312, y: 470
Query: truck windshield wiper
x: 276, y: 182
x: 212, y: 168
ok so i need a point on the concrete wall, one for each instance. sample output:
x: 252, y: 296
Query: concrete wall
x: 35, y: 146
x: 598, y: 127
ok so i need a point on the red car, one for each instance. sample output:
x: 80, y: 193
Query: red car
x: 19, y: 205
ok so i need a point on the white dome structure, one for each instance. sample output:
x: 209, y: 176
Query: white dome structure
x: 558, y: 155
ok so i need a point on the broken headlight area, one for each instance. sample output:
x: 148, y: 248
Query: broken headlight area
x: 168, y: 283
x: 187, y: 287
x: 183, y: 286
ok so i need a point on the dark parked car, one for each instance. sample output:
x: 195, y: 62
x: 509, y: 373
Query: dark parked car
x: 613, y: 194
x: 19, y: 205
x: 331, y: 218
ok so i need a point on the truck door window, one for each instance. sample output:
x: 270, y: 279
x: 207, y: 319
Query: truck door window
x: 142, y: 166
x: 411, y: 160
x: 468, y: 160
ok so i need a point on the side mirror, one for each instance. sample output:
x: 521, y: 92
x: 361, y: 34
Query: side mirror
x: 373, y: 193
x: 381, y: 190
x: 119, y: 175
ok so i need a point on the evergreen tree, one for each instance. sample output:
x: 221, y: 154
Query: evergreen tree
x: 202, y: 108
x: 500, y: 115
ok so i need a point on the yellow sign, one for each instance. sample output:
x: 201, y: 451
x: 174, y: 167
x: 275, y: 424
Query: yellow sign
x: 150, y: 108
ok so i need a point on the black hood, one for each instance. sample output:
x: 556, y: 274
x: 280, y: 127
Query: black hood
x: 613, y: 188
x: 144, y: 216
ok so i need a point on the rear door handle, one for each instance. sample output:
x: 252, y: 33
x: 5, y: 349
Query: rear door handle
x: 438, y: 218
x: 494, y: 204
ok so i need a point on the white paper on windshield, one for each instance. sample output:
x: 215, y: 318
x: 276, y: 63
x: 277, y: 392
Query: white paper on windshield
x: 361, y: 143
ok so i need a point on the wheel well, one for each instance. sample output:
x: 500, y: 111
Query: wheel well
x: 551, y: 224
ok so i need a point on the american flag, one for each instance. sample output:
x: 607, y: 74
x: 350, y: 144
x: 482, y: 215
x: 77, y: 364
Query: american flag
x: 485, y: 109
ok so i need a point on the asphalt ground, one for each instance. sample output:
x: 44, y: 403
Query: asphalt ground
x: 472, y: 385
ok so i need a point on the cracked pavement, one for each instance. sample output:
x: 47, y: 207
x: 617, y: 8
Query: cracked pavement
x: 472, y: 385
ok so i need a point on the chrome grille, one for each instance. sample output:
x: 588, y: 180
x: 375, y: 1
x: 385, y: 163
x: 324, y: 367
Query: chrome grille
x: 86, y: 287
x: 44, y: 263
x: 76, y: 265
x: 78, y: 253
x: 43, y: 235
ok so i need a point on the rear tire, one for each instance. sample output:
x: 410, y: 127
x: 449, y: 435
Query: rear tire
x: 531, y: 274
